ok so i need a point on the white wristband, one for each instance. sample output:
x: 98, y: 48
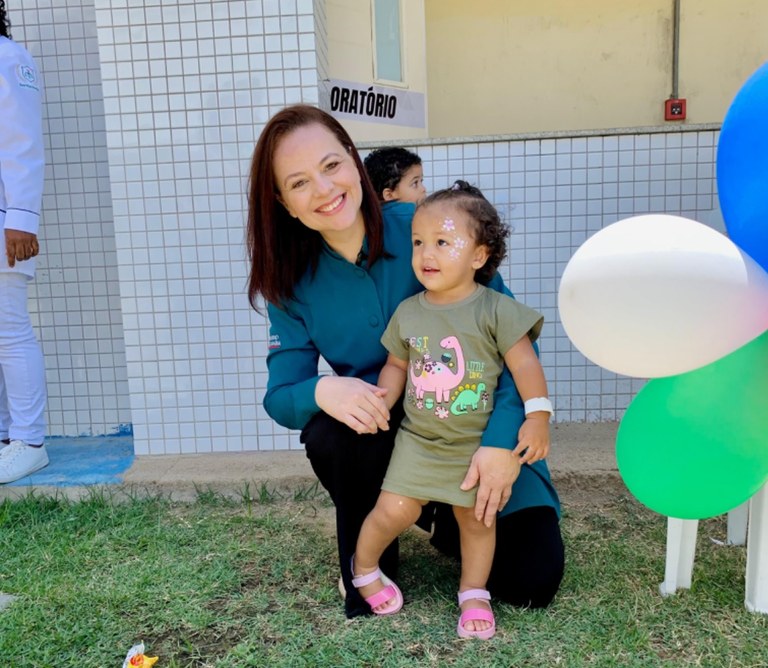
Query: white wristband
x: 538, y: 404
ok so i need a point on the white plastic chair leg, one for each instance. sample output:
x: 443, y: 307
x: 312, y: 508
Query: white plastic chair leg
x: 756, y: 598
x: 737, y: 524
x: 681, y: 550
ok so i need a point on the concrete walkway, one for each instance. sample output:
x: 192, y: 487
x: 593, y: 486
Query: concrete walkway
x: 582, y: 459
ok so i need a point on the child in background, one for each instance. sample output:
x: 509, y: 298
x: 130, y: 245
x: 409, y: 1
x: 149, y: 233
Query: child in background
x: 447, y: 347
x: 396, y: 174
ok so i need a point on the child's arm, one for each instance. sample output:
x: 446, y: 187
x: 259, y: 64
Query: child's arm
x: 392, y: 378
x: 533, y: 437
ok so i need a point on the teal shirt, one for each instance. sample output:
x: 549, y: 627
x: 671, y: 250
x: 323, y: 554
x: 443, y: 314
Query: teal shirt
x: 341, y: 312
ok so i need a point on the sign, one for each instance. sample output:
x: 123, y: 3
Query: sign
x: 375, y: 104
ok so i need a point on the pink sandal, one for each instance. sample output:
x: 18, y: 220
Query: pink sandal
x: 476, y: 615
x: 391, y: 590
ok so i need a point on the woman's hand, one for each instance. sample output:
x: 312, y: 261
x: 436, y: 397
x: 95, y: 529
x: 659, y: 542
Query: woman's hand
x: 357, y: 404
x: 496, y: 469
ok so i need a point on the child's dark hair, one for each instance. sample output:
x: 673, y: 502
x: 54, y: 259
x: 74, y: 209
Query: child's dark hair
x: 5, y: 24
x: 386, y: 167
x: 486, y: 225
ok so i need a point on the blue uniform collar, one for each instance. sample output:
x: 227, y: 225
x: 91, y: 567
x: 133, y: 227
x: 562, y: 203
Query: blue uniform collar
x: 362, y: 256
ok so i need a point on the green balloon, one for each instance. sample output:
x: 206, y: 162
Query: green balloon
x: 695, y: 445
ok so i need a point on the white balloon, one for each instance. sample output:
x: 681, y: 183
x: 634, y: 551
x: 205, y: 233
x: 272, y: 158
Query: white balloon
x: 657, y: 295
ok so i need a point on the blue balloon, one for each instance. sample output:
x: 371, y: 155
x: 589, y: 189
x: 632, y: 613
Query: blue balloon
x: 742, y: 168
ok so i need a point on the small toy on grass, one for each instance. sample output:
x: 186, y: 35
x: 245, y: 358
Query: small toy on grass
x: 137, y: 659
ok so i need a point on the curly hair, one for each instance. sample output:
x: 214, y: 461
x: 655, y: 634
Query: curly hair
x: 5, y: 24
x: 387, y: 166
x: 486, y: 225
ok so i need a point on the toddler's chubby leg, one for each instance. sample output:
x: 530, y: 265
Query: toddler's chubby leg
x: 392, y: 515
x: 478, y: 543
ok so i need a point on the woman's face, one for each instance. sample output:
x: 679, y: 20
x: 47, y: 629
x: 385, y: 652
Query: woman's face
x: 318, y: 181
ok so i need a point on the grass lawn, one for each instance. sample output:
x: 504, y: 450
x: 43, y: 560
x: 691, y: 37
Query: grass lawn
x: 241, y: 582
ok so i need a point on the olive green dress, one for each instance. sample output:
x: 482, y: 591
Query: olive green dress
x: 455, y: 354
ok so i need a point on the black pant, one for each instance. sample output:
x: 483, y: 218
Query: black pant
x: 352, y: 467
x: 529, y: 558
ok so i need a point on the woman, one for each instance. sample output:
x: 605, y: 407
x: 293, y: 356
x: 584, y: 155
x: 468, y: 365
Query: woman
x: 332, y: 269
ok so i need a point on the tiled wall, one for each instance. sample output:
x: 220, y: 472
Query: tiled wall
x: 555, y: 193
x: 187, y: 85
x: 152, y: 112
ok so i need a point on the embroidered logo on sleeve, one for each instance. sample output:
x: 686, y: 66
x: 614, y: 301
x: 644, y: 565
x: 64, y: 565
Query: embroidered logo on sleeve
x: 27, y: 77
x: 274, y: 341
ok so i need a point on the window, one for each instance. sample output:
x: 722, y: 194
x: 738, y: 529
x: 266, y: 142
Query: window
x: 386, y: 37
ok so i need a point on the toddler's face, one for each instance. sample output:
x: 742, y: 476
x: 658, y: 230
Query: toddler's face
x: 445, y: 253
x: 411, y: 187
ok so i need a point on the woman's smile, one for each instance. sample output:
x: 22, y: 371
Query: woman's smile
x: 333, y: 206
x: 318, y: 183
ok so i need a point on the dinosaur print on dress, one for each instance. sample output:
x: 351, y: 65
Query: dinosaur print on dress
x: 469, y: 396
x: 447, y: 380
x: 436, y: 376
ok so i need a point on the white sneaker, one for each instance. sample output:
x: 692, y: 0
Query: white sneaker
x: 19, y: 459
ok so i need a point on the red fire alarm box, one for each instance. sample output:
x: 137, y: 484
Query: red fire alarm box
x: 674, y: 110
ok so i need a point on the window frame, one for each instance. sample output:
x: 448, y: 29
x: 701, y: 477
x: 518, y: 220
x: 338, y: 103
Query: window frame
x: 403, y: 60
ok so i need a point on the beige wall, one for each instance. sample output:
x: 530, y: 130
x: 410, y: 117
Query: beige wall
x: 721, y: 45
x: 503, y: 66
x: 350, y: 58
